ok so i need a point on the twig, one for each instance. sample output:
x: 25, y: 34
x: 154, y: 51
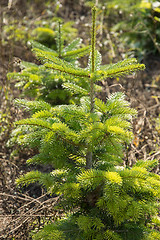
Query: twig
x: 118, y: 84
x: 5, y: 160
x: 149, y: 108
x: 152, y: 86
x: 30, y: 216
x: 9, y: 4
x: 13, y: 196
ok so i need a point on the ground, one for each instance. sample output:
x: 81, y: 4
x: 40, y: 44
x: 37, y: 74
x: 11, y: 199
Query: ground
x: 19, y: 208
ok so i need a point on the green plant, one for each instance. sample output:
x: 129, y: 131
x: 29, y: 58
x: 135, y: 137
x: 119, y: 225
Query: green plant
x: 42, y: 29
x: 100, y: 198
x: 47, y: 36
x: 45, y: 84
x: 140, y: 29
x: 134, y: 25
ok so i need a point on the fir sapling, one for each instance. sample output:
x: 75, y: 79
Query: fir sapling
x: 99, y: 197
x: 40, y: 83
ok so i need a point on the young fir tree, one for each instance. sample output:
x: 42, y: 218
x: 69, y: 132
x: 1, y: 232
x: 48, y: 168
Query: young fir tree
x: 101, y: 198
x: 44, y: 84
